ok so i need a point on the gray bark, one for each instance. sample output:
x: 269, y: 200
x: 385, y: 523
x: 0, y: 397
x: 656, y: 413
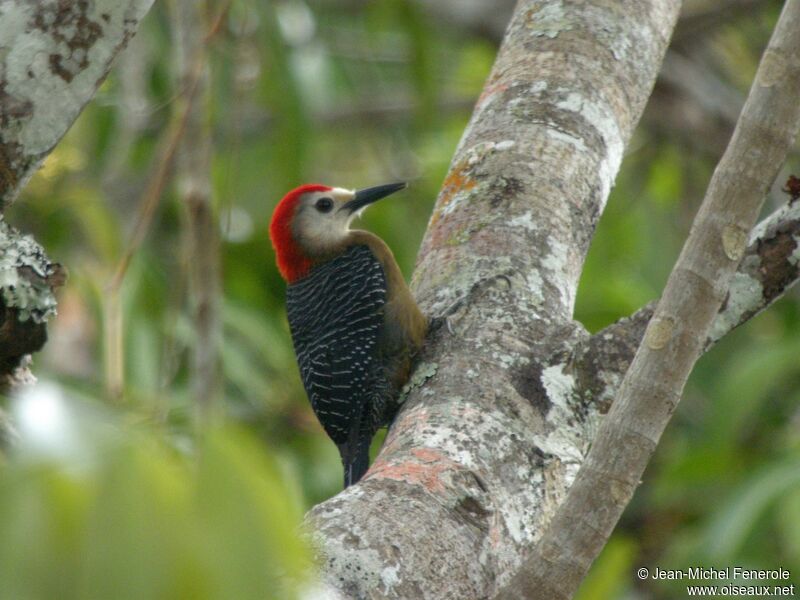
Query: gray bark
x: 691, y: 99
x: 677, y: 334
x: 770, y: 266
x: 491, y: 18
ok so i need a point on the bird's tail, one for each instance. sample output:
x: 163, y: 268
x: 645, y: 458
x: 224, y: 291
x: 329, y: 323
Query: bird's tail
x: 355, y: 460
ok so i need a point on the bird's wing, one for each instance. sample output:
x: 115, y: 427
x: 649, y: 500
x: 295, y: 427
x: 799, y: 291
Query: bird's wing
x: 336, y: 318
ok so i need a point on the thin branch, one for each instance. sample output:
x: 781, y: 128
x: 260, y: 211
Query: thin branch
x: 113, y: 330
x: 113, y: 356
x: 678, y: 331
x: 769, y: 268
x: 164, y: 161
x: 489, y: 19
x: 162, y: 167
x: 202, y: 239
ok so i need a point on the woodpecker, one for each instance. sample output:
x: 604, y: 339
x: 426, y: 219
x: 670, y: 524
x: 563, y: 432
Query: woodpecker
x: 355, y: 325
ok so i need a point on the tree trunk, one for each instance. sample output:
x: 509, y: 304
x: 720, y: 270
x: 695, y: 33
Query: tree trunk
x: 496, y: 423
x: 677, y: 333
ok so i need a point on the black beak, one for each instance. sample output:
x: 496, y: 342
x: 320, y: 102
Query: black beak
x: 370, y: 195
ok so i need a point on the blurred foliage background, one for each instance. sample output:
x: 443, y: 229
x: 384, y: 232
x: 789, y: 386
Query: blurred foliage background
x: 110, y: 487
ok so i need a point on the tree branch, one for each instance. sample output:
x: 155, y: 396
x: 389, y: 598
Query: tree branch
x: 489, y: 19
x: 706, y: 107
x: 489, y: 438
x: 53, y: 57
x: 194, y: 182
x: 769, y: 268
x: 677, y: 333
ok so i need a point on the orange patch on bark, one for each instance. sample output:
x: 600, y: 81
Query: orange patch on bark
x: 423, y: 468
x: 490, y: 90
x: 494, y: 536
x: 457, y: 180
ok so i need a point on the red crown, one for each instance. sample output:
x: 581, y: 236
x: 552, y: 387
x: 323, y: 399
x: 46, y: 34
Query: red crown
x: 292, y: 262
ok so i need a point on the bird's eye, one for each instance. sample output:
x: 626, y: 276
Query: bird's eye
x: 324, y: 205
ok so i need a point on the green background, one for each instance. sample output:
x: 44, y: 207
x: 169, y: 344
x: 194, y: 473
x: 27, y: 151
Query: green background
x: 122, y: 494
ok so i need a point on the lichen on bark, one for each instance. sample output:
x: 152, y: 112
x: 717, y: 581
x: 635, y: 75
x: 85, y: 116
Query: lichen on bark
x: 26, y: 276
x: 27, y: 279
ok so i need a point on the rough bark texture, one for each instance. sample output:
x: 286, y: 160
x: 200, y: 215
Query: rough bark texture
x: 53, y: 56
x: 769, y: 267
x: 494, y: 428
x: 690, y: 99
x: 677, y: 333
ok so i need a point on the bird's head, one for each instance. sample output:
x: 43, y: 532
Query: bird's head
x: 311, y: 223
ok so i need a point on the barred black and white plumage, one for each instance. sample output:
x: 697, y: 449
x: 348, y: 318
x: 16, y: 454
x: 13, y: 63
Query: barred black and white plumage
x: 336, y: 315
x: 355, y: 324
